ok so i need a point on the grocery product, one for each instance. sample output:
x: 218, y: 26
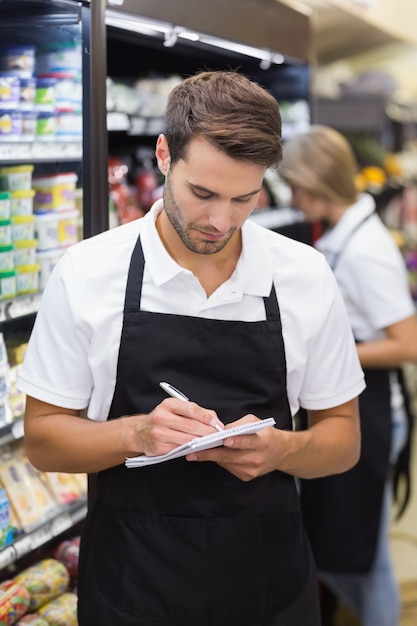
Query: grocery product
x: 18, y: 176
x: 21, y: 202
x: 5, y: 205
x: 17, y: 60
x: 68, y: 553
x: 56, y: 192
x: 62, y: 611
x: 6, y: 528
x: 44, y: 581
x: 7, y: 284
x: 33, y: 619
x: 27, y: 279
x: 14, y: 602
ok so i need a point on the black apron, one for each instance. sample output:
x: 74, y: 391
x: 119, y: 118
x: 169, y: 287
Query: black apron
x: 183, y: 543
x: 344, y: 533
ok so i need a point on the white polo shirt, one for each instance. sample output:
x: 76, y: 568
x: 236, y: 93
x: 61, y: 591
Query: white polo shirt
x: 72, y: 355
x: 370, y: 270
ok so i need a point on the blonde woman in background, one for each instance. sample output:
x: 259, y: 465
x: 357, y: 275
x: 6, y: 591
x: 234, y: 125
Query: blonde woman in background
x: 347, y: 516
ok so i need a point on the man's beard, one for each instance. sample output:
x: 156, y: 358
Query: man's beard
x: 174, y: 214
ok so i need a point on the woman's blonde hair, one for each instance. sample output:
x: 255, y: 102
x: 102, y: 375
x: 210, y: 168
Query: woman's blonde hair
x: 322, y: 162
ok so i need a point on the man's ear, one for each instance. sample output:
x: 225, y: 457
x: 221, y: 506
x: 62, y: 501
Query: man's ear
x: 162, y: 154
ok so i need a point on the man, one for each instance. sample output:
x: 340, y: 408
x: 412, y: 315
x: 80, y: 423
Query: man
x: 249, y: 325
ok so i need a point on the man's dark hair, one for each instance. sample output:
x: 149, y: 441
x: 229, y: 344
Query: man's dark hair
x: 230, y: 111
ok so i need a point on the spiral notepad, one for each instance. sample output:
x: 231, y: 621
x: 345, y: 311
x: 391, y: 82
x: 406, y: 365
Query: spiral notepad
x: 201, y: 443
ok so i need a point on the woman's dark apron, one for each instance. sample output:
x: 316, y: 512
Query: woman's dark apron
x: 184, y: 543
x: 342, y: 512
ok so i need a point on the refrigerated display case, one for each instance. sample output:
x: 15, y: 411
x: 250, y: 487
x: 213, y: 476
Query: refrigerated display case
x: 48, y: 140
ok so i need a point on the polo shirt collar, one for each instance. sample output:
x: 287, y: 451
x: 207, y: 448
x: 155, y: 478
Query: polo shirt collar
x: 253, y: 274
x: 334, y: 239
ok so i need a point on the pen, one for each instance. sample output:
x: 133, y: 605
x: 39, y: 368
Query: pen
x: 176, y: 393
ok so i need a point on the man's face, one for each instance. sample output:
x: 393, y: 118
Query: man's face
x: 208, y: 196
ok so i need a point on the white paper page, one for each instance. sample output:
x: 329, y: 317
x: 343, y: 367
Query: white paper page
x: 201, y: 443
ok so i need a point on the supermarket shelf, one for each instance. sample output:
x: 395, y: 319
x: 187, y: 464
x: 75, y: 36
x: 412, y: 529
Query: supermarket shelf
x: 11, y: 432
x: 19, y: 306
x: 40, y: 151
x: 40, y: 535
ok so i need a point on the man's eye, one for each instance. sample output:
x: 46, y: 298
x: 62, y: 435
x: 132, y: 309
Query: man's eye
x: 201, y: 194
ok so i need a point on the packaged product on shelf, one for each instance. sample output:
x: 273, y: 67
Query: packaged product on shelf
x: 5, y: 232
x: 23, y: 227
x: 5, y: 412
x: 4, y: 380
x: 45, y: 94
x: 17, y: 60
x: 45, y: 126
x: 17, y: 399
x: 62, y: 611
x: 21, y: 202
x: 69, y: 125
x: 6, y: 258
x: 29, y: 125
x: 46, y: 230
x: 24, y: 252
x: 7, y: 285
x: 82, y: 482
x: 47, y: 260
x: 18, y: 176
x: 68, y: 228
x: 11, y: 123
x: 27, y: 93
x: 68, y: 553
x: 14, y: 602
x: 9, y: 91
x: 25, y: 504
x: 33, y: 619
x: 44, y: 581
x: 27, y: 279
x: 42, y: 495
x: 7, y: 530
x: 63, y: 486
x: 55, y: 192
x: 5, y: 205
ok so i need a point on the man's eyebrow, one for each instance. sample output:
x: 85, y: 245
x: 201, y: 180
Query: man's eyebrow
x: 204, y: 189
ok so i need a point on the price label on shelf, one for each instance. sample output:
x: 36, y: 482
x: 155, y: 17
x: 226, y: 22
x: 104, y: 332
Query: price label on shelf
x: 60, y: 524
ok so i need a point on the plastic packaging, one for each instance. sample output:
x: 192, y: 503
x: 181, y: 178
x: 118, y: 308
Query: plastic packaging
x: 47, y: 260
x: 6, y: 258
x: 5, y: 232
x: 27, y: 279
x: 10, y: 125
x: 18, y: 176
x: 9, y: 91
x: 56, y: 192
x: 23, y: 227
x: 7, y: 285
x: 46, y: 126
x: 5, y: 205
x: 18, y: 60
x: 27, y: 94
x: 46, y: 230
x: 21, y: 202
x: 68, y: 228
x: 24, y: 252
x: 45, y: 94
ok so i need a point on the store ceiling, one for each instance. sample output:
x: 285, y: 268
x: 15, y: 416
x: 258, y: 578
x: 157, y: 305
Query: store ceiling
x: 339, y: 35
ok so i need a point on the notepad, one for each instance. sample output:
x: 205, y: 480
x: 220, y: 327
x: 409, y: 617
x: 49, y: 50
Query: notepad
x: 201, y: 443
